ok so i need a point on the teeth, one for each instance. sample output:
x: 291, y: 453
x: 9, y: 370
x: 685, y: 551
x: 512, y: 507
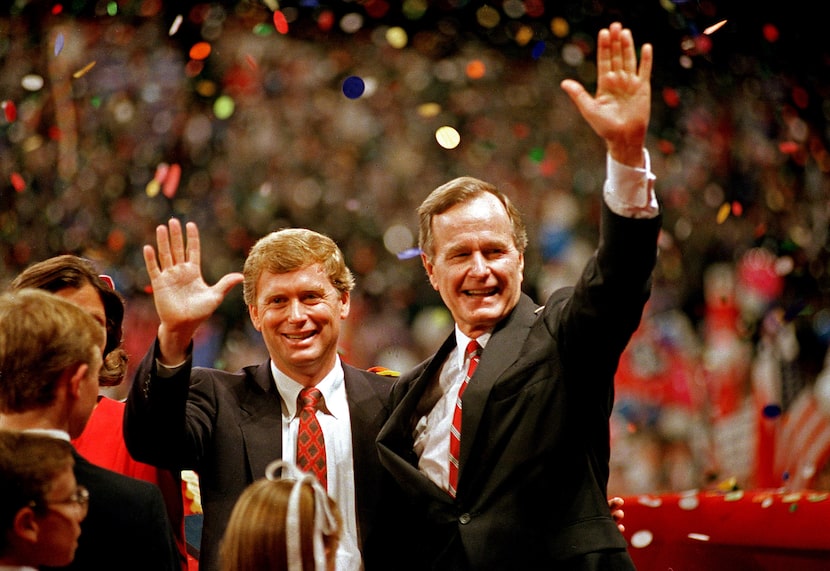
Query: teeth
x: 480, y: 291
x: 298, y: 336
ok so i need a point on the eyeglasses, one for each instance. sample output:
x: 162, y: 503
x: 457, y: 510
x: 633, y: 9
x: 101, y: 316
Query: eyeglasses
x: 79, y: 497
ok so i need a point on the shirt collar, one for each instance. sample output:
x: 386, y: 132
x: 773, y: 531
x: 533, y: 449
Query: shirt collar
x: 53, y: 432
x: 329, y: 386
x: 461, y: 342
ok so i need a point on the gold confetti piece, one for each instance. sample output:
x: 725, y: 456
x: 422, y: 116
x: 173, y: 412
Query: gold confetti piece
x: 153, y: 187
x: 817, y: 497
x: 790, y: 498
x: 734, y: 496
x: 81, y: 72
x: 723, y: 212
x: 714, y: 28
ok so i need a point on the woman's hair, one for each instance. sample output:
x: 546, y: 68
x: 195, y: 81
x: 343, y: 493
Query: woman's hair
x: 257, y: 534
x: 71, y: 272
x: 291, y: 249
x: 28, y: 465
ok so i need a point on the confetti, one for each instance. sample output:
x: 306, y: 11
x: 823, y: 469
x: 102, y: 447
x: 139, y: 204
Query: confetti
x: 152, y: 189
x: 397, y: 37
x: 650, y: 501
x: 688, y: 503
x: 223, y: 107
x: 353, y: 87
x: 409, y: 253
x: 10, y: 110
x: 251, y: 62
x: 200, y: 51
x: 698, y: 536
x: 723, y: 212
x: 174, y: 27
x: 59, y: 43
x: 280, y: 22
x: 17, y: 182
x: 642, y: 538
x: 112, y: 8
x: 82, y: 72
x: 447, y: 137
x: 538, y: 50
x: 714, y: 28
x: 476, y: 69
x: 171, y: 181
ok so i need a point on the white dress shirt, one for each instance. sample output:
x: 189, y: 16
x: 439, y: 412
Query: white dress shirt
x: 334, y: 419
x: 627, y: 192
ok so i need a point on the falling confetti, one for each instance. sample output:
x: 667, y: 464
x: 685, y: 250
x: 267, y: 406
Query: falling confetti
x: 10, y: 110
x: 409, y: 253
x: 714, y: 28
x: 174, y: 27
x: 698, y: 536
x: 152, y: 189
x: 82, y: 72
x: 112, y: 8
x: 447, y: 137
x: 280, y: 22
x: 723, y: 212
x: 476, y: 69
x: 642, y: 538
x: 251, y: 62
x: 17, y: 182
x: 353, y: 87
x: 59, y: 43
x: 200, y: 51
x: 171, y: 182
x: 223, y: 107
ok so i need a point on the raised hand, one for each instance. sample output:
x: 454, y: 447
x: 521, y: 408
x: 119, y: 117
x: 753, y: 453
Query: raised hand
x: 183, y: 300
x: 620, y: 110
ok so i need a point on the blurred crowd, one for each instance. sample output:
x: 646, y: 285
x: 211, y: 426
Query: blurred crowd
x: 244, y: 117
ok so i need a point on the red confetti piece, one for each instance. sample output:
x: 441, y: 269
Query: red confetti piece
x: 671, y: 97
x: 171, y: 182
x: 770, y: 33
x: 17, y: 182
x: 326, y: 20
x: 200, y: 51
x: 161, y: 172
x: 788, y: 147
x: 10, y: 110
x: 251, y: 62
x: 280, y: 22
x: 376, y: 8
x: 57, y: 9
x: 476, y: 69
x: 800, y: 97
x: 737, y: 208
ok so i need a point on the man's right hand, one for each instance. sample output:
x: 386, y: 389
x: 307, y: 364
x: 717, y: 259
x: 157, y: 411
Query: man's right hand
x: 183, y: 300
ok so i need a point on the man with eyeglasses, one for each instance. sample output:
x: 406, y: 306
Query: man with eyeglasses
x: 50, y: 357
x: 42, y: 505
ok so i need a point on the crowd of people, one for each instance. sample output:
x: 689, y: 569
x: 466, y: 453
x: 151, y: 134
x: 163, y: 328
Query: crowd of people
x: 131, y: 130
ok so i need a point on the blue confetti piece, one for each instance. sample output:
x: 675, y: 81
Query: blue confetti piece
x: 409, y: 254
x: 538, y: 50
x: 353, y: 87
x: 59, y: 43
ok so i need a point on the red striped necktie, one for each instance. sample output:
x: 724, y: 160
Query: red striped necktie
x: 311, y: 446
x: 472, y: 353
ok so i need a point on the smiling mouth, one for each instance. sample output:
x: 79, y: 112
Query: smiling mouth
x: 298, y: 336
x: 481, y: 292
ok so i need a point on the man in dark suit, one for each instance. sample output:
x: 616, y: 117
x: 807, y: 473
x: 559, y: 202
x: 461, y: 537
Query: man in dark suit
x: 50, y: 357
x: 229, y: 426
x: 521, y: 482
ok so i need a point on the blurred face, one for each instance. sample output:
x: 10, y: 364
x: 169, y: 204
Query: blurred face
x: 476, y: 266
x: 60, y: 525
x: 299, y: 315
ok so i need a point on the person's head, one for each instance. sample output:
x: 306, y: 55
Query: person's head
x: 472, y: 240
x: 297, y: 288
x: 50, y: 357
x: 75, y: 279
x: 41, y: 505
x: 270, y: 515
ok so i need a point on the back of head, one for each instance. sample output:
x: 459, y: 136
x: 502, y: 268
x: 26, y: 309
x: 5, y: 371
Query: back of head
x: 72, y: 272
x: 292, y: 249
x: 255, y: 538
x: 41, y: 336
x: 28, y: 465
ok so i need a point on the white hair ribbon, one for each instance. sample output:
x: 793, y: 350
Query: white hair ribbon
x: 325, y: 522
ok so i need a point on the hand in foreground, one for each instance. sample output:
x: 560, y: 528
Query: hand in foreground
x: 183, y: 300
x: 620, y: 110
x: 615, y: 504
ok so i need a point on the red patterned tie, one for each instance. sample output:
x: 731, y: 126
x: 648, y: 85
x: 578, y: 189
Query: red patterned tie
x: 473, y: 351
x: 311, y: 447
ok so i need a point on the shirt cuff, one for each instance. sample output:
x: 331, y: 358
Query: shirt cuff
x: 166, y: 371
x: 629, y: 191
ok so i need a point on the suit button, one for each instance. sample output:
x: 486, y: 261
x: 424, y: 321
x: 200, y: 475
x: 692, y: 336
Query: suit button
x: 464, y: 519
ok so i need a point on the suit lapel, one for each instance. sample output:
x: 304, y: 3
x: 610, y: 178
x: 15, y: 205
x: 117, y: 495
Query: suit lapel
x: 262, y: 424
x: 503, y: 349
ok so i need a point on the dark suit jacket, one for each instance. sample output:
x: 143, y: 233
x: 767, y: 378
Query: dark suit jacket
x: 535, y: 437
x: 127, y: 525
x: 228, y: 427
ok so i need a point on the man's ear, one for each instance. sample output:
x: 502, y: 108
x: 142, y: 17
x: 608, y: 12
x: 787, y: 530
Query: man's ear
x: 25, y: 525
x: 253, y: 313
x: 428, y: 266
x: 74, y: 377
